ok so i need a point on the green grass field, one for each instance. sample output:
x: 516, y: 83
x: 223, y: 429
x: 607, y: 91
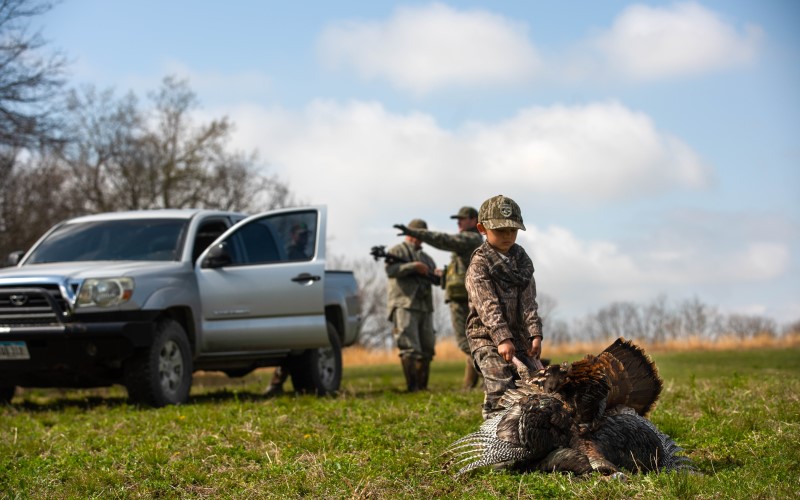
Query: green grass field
x: 737, y: 414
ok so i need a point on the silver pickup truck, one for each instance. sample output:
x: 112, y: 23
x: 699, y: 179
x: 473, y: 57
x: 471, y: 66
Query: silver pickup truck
x: 146, y: 298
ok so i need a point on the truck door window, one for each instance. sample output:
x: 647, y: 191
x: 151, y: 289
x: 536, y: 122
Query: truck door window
x: 300, y: 240
x: 278, y: 238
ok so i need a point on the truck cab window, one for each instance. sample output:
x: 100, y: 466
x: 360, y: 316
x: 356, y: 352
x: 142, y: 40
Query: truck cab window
x: 277, y: 238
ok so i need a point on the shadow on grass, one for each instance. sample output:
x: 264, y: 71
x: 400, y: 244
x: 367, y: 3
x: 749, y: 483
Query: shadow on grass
x: 223, y: 395
x: 63, y: 400
x: 66, y: 403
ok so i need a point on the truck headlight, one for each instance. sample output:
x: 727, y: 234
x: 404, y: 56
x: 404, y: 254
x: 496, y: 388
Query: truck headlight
x: 105, y: 292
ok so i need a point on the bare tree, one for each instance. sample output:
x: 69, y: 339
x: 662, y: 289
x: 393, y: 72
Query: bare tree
x: 125, y: 157
x: 747, y: 326
x: 620, y: 319
x: 558, y: 332
x: 30, y: 79
x: 792, y: 328
x: 547, y: 308
x: 120, y: 156
x: 698, y: 319
x: 30, y: 82
x: 28, y: 205
x: 655, y: 320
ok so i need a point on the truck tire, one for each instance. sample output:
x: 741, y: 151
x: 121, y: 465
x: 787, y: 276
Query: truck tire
x: 319, y: 371
x: 6, y: 393
x: 161, y: 374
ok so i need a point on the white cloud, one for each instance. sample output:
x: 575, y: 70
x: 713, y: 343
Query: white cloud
x: 599, y: 151
x: 374, y: 168
x: 685, y: 38
x: 585, y: 275
x: 583, y: 153
x: 425, y: 48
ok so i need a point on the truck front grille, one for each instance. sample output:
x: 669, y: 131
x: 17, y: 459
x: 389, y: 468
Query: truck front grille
x: 32, y: 305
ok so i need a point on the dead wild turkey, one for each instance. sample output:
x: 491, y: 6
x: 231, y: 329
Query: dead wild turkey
x: 580, y: 417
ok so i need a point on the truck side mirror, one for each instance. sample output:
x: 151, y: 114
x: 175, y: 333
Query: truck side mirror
x: 217, y: 256
x: 14, y: 258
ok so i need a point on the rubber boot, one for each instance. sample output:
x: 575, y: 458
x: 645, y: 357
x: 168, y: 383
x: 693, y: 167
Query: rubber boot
x: 410, y: 371
x: 423, y: 367
x: 470, y: 375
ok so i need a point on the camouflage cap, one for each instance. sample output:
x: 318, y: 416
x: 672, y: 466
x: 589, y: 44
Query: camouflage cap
x: 418, y: 224
x: 465, y: 213
x: 500, y: 212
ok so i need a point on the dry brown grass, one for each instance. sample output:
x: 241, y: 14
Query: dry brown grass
x: 728, y: 343
x: 447, y: 350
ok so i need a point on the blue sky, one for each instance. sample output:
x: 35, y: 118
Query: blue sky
x: 653, y: 146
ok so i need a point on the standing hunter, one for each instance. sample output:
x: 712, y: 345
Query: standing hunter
x: 410, y: 304
x: 461, y: 245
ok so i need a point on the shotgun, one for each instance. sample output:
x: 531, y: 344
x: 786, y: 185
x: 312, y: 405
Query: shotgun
x: 379, y: 252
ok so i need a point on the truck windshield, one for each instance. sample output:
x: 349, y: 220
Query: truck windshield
x: 137, y: 239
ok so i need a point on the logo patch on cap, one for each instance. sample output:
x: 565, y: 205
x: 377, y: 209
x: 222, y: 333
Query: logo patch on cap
x: 506, y: 209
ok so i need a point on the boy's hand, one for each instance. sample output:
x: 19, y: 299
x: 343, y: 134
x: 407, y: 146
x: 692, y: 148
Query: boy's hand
x: 536, y: 348
x: 506, y: 350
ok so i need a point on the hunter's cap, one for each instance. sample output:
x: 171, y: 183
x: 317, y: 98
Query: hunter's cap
x: 418, y: 224
x: 465, y: 213
x: 499, y: 212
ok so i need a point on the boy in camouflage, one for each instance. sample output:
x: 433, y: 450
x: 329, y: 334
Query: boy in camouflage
x: 503, y: 319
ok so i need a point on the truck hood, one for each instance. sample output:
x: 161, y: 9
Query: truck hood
x: 83, y: 270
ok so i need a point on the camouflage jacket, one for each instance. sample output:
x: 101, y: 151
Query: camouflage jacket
x: 407, y: 288
x: 499, y: 310
x: 461, y: 245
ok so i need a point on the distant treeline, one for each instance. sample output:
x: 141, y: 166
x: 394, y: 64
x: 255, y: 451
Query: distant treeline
x: 661, y: 321
x: 654, y: 322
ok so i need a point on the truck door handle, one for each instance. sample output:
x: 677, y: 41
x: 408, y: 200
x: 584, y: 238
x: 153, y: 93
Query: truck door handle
x: 305, y: 278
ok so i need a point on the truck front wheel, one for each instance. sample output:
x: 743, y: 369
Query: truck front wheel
x: 161, y: 374
x: 319, y: 371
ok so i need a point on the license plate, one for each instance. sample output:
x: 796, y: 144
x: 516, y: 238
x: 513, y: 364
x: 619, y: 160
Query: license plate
x: 14, y: 350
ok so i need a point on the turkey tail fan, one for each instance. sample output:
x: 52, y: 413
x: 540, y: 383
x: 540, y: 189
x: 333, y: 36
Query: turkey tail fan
x: 639, y: 375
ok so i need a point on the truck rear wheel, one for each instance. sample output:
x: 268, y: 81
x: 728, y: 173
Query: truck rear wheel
x: 6, y: 393
x: 319, y: 371
x: 161, y: 374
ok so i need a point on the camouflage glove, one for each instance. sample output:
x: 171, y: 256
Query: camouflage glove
x: 402, y: 228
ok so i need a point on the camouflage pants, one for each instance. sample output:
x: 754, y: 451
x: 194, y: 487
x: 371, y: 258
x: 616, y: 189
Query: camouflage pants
x: 498, y: 377
x: 413, y: 333
x: 458, y: 315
